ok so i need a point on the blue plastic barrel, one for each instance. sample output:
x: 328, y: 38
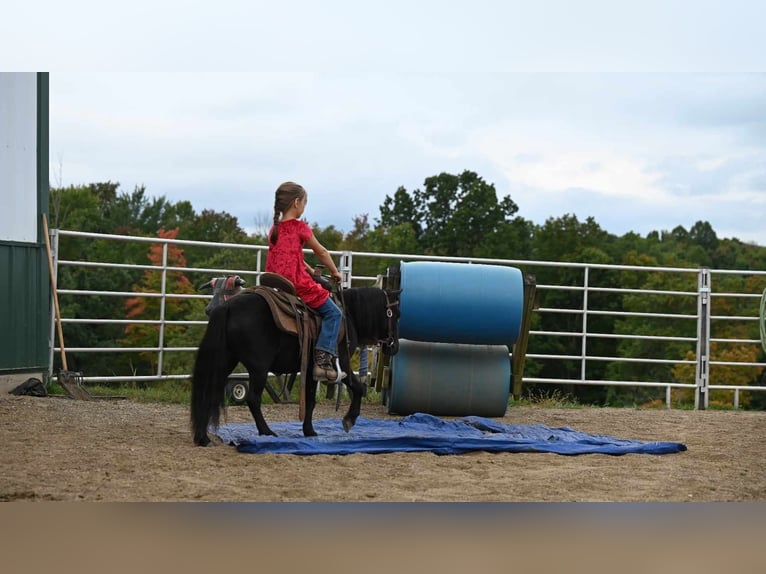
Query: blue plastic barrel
x: 450, y: 379
x: 461, y: 303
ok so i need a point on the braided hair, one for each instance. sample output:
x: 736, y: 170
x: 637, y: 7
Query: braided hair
x: 285, y: 195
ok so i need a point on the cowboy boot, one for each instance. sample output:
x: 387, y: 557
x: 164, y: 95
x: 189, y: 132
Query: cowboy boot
x: 324, y: 367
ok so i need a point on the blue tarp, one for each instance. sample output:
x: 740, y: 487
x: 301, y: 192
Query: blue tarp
x: 423, y: 432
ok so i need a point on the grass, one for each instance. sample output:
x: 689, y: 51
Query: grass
x: 553, y: 398
x: 179, y: 392
x: 166, y: 392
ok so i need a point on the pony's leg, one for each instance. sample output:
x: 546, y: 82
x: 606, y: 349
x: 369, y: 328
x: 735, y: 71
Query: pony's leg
x: 311, y: 401
x: 357, y: 389
x: 258, y: 381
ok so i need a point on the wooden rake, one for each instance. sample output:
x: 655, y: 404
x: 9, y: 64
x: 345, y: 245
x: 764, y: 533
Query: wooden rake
x: 70, y: 380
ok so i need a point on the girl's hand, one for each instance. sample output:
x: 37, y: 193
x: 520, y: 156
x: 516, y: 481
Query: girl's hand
x: 337, y: 276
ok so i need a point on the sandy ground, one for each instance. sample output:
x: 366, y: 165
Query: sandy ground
x: 118, y: 450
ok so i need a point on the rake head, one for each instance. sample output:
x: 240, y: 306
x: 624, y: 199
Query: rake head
x: 72, y: 383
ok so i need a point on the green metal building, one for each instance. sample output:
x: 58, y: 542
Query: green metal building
x: 25, y: 294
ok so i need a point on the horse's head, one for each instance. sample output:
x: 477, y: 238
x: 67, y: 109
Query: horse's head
x: 390, y: 346
x: 224, y: 288
x: 373, y: 316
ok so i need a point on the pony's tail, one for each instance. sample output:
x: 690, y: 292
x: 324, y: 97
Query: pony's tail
x: 209, y: 377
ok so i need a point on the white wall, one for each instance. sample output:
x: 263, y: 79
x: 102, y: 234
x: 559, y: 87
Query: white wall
x: 18, y: 157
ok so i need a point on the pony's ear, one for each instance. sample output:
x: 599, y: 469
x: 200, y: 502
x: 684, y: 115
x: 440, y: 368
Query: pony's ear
x: 207, y: 285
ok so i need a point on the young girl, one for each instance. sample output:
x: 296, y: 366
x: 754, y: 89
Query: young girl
x: 287, y: 237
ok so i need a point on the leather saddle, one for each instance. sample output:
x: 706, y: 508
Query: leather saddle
x: 290, y: 313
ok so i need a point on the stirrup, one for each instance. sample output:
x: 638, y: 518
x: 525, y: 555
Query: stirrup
x: 322, y: 377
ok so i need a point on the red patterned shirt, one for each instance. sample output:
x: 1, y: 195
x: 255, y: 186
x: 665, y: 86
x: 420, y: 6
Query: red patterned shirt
x: 286, y: 258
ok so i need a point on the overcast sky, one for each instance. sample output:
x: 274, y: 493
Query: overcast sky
x: 645, y: 115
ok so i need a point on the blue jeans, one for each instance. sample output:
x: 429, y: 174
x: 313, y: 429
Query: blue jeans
x: 330, y: 328
x: 364, y: 360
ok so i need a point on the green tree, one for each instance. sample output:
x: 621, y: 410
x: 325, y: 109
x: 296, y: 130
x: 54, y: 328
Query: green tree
x: 400, y: 210
x: 399, y: 239
x: 512, y: 240
x: 358, y: 240
x: 75, y: 208
x: 702, y: 234
x: 209, y: 225
x: 568, y: 239
x: 215, y: 227
x: 453, y: 215
x: 101, y: 208
x: 459, y: 213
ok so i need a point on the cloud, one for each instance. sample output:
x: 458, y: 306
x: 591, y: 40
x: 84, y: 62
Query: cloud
x: 591, y: 144
x: 601, y: 173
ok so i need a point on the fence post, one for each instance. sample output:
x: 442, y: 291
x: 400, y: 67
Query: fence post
x: 702, y: 378
x: 258, y: 267
x: 519, y: 352
x: 345, y: 269
x: 584, y: 341
x: 164, y: 291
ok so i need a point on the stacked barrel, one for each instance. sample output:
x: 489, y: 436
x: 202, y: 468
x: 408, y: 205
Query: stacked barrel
x: 458, y: 324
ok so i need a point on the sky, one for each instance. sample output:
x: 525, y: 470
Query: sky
x: 643, y: 115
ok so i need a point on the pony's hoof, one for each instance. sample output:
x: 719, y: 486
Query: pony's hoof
x: 202, y: 441
x: 348, y: 424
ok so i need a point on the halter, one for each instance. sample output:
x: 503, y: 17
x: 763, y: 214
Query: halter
x: 391, y: 338
x: 390, y: 341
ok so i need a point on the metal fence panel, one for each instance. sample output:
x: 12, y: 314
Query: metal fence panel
x: 696, y: 302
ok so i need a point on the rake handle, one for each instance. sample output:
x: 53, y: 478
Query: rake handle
x: 55, y: 292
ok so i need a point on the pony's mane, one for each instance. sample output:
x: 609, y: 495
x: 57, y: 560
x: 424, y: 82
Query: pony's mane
x: 365, y: 308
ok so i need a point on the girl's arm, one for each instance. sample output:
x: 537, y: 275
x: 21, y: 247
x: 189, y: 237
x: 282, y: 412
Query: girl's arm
x: 324, y: 257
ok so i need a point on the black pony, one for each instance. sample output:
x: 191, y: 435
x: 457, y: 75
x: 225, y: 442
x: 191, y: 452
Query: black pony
x: 242, y: 330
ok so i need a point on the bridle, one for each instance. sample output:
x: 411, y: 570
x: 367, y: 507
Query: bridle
x: 391, y: 340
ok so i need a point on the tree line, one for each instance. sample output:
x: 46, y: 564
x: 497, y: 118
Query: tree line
x: 457, y: 215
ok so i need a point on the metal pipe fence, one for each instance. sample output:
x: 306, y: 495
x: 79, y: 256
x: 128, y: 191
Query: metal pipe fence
x: 581, y: 304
